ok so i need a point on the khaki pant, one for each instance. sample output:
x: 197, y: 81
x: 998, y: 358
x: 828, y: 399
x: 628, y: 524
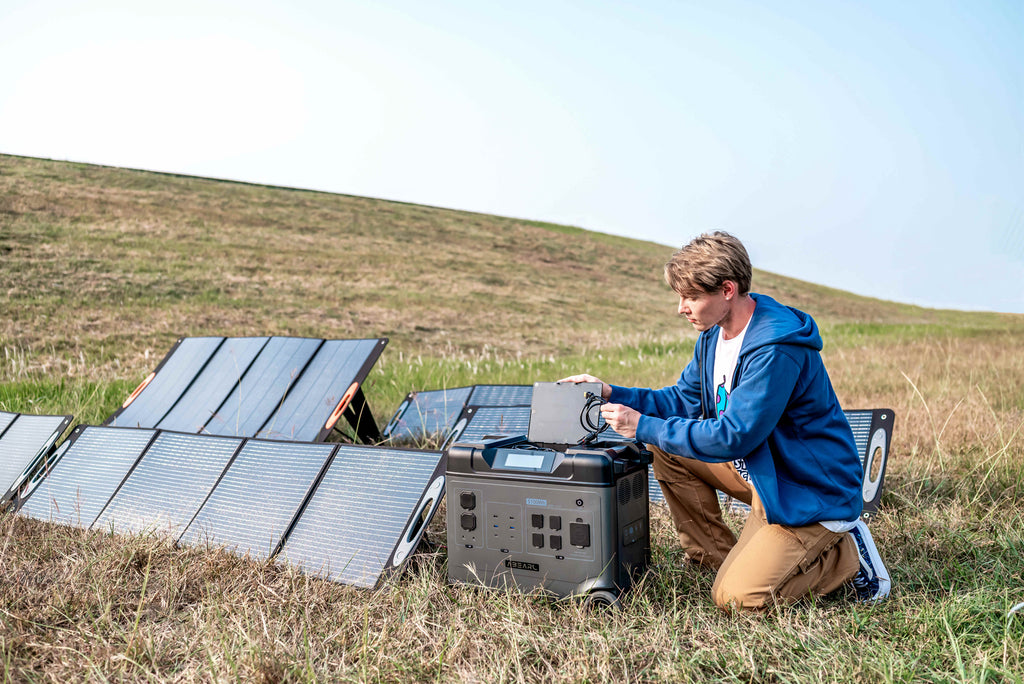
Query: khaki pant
x: 769, y: 562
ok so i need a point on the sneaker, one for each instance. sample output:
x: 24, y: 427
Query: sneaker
x: 872, y: 579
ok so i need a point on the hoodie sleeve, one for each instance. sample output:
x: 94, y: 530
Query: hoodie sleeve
x: 681, y: 399
x: 756, y: 404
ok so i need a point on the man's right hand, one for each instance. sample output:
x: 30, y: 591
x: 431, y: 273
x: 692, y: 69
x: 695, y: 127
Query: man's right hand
x: 606, y: 389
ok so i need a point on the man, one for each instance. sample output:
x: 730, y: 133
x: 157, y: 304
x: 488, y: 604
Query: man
x: 753, y: 415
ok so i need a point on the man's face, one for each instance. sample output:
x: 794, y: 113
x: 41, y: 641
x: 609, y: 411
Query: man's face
x: 704, y: 311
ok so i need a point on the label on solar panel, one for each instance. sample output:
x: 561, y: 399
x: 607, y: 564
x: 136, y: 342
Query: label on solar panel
x: 24, y: 441
x: 263, y: 387
x: 501, y: 395
x: 169, y: 484
x: 222, y: 373
x: 256, y: 501
x: 427, y: 414
x: 86, y: 470
x: 367, y: 514
x: 169, y: 381
x: 338, y: 364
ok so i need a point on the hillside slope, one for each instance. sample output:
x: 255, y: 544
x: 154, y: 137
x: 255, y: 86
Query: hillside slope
x: 110, y: 266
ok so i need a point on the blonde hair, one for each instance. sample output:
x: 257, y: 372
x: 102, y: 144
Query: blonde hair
x: 705, y: 264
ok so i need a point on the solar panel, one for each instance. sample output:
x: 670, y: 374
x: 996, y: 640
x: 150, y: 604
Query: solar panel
x: 24, y: 439
x: 263, y: 388
x: 257, y: 499
x: 76, y: 484
x: 425, y: 414
x: 158, y: 394
x: 168, y: 484
x: 285, y: 388
x: 222, y: 374
x: 324, y: 389
x: 367, y: 514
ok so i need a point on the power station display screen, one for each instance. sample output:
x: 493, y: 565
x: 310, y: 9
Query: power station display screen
x: 526, y: 461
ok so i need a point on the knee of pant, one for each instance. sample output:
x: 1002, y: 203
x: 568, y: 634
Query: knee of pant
x: 735, y: 597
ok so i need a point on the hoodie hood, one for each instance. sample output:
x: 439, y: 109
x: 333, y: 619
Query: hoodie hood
x: 774, y: 323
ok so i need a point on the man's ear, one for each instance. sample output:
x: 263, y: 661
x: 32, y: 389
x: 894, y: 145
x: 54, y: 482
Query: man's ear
x: 729, y: 289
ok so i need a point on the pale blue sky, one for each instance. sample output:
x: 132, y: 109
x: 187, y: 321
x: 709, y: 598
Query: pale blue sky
x: 876, y: 147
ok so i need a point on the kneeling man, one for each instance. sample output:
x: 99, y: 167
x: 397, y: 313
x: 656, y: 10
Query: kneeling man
x: 753, y: 415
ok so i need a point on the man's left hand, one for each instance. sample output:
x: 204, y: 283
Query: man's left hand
x: 622, y: 419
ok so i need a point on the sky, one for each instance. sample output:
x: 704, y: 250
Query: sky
x: 874, y: 146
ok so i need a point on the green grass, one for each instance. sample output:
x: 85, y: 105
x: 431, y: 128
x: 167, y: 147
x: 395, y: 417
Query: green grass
x: 102, y: 269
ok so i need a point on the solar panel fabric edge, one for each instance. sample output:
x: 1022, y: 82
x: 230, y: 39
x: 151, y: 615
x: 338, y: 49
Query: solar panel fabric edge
x: 321, y: 519
x: 32, y: 453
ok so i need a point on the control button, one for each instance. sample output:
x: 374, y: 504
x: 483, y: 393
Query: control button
x: 468, y: 521
x: 579, y: 534
x: 555, y: 522
x: 538, y: 540
x: 468, y: 500
x: 538, y: 520
x: 555, y: 542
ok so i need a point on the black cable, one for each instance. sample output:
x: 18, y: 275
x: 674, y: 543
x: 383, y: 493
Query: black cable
x: 593, y: 427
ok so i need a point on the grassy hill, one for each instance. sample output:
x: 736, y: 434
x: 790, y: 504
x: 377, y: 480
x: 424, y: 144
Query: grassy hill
x: 101, y: 269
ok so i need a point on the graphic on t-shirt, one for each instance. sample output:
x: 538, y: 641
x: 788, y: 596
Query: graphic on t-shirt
x: 721, y: 401
x: 721, y: 397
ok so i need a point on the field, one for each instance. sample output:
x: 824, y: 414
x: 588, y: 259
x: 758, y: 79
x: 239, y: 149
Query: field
x: 102, y: 269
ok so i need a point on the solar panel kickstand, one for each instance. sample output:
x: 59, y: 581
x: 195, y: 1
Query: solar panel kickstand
x: 361, y: 419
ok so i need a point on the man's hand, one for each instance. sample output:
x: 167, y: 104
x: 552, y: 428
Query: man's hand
x: 622, y: 419
x: 606, y: 389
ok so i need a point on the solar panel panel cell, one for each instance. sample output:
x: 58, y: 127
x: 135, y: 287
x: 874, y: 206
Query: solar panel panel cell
x: 263, y: 388
x: 86, y: 470
x: 218, y: 378
x: 501, y: 395
x: 337, y: 364
x: 169, y: 484
x: 360, y: 512
x: 174, y: 375
x: 5, y: 420
x: 24, y: 440
x: 258, y: 497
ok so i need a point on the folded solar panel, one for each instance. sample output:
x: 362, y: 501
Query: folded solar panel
x: 285, y: 388
x: 257, y: 499
x: 367, y: 514
x: 168, y: 484
x: 74, y: 486
x: 24, y: 441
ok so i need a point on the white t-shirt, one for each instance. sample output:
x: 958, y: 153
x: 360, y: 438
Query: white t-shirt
x: 727, y: 354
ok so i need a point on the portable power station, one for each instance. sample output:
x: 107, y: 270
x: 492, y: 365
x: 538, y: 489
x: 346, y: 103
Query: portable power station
x: 571, y: 519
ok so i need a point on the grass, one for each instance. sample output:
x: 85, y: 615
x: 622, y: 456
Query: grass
x: 101, y: 269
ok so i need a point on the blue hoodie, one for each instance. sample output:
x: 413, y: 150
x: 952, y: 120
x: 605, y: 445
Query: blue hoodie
x: 783, y: 418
